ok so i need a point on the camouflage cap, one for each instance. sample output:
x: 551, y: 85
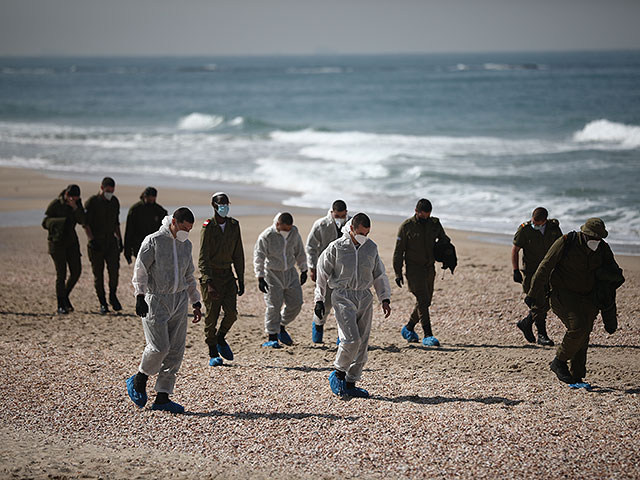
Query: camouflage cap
x: 594, y: 227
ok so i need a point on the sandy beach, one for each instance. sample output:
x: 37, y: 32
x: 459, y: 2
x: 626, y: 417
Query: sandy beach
x: 483, y: 405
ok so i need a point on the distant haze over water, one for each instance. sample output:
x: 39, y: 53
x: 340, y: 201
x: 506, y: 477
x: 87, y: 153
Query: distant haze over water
x: 486, y: 137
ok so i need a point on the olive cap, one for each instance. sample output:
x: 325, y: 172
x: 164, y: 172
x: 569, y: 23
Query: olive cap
x: 595, y: 228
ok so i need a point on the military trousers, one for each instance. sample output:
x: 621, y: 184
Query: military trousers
x: 63, y: 257
x: 109, y: 254
x: 420, y: 281
x: 354, y: 314
x: 577, y: 313
x: 541, y: 307
x: 223, y: 298
x: 284, y: 288
x: 165, y: 330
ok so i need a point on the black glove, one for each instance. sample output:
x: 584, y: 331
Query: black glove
x: 530, y: 301
x: 319, y: 309
x: 141, y: 306
x: 127, y: 257
x: 94, y: 245
x: 240, y: 288
x: 399, y: 281
x: 303, y: 277
x: 610, y: 319
x: 517, y: 276
x: 262, y: 285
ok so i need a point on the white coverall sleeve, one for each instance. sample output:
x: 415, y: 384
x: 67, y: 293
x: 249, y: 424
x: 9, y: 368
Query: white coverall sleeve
x: 259, y: 255
x: 144, y: 260
x: 324, y: 270
x: 313, y: 245
x: 380, y: 281
x: 301, y: 256
x: 192, y: 285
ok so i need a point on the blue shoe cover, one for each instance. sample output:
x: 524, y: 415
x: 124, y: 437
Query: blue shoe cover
x: 585, y: 385
x: 272, y: 344
x: 285, y: 337
x: 356, y: 392
x: 338, y: 341
x: 140, y: 399
x: 171, y: 407
x: 316, y: 332
x: 409, y: 335
x: 225, y: 350
x: 215, y: 362
x: 337, y: 386
x: 430, y: 342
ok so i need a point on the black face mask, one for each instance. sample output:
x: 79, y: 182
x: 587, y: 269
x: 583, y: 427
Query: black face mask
x: 423, y: 220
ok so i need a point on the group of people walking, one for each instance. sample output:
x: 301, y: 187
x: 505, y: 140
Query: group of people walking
x: 338, y: 256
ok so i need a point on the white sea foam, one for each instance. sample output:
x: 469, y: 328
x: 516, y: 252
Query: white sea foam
x: 200, y: 121
x: 315, y: 70
x: 603, y: 130
x: 236, y: 122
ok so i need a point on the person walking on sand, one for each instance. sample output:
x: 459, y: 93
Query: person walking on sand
x: 220, y: 248
x: 164, y: 284
x: 144, y: 218
x: 349, y: 266
x: 579, y: 267
x: 417, y: 237
x: 278, y: 249
x: 324, y: 231
x: 105, y: 241
x: 534, y: 238
x: 61, y: 217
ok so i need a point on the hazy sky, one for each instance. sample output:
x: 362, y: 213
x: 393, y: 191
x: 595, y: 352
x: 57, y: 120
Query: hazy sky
x: 201, y: 27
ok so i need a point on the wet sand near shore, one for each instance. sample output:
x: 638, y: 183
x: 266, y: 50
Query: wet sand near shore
x: 483, y: 405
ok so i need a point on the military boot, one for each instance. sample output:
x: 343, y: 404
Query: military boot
x: 68, y: 304
x: 115, y: 303
x: 561, y: 370
x: 62, y: 307
x: 526, y: 326
x: 544, y: 340
x: 104, y: 308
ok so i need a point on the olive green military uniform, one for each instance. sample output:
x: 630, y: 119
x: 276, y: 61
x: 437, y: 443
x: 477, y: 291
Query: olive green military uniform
x: 103, y: 217
x: 535, y: 245
x: 569, y: 268
x: 414, y: 248
x: 60, y: 220
x: 142, y: 220
x: 219, y: 250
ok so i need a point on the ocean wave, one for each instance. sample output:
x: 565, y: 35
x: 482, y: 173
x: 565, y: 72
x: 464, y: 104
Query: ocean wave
x: 605, y: 131
x: 317, y: 70
x: 200, y: 121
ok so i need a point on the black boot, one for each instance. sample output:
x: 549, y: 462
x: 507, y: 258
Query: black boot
x: 62, y: 307
x: 561, y: 370
x: 104, y: 308
x: 526, y: 326
x: 544, y: 340
x: 68, y: 304
x: 115, y: 303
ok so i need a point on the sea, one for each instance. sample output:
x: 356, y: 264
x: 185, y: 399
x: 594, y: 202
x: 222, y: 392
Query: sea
x: 486, y: 137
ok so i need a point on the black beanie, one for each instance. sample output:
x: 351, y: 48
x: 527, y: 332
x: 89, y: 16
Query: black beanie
x: 73, y: 190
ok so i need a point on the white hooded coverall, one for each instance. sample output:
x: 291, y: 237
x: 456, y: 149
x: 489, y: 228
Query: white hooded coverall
x: 351, y: 272
x: 323, y: 232
x: 274, y: 259
x: 163, y: 272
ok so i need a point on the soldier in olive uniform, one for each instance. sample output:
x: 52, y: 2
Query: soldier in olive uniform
x: 570, y: 268
x: 144, y: 218
x: 416, y: 240
x: 534, y: 238
x: 220, y: 248
x: 105, y: 241
x: 60, y: 220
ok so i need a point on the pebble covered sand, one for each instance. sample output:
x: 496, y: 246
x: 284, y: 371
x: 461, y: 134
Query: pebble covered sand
x: 483, y: 405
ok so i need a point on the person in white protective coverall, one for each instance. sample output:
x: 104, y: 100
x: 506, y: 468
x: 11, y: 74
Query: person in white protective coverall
x: 278, y: 249
x: 324, y: 231
x: 164, y: 285
x: 350, y: 266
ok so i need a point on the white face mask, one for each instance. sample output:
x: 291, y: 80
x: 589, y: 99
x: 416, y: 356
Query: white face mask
x: 340, y: 221
x: 284, y: 234
x: 361, y: 239
x: 593, y: 244
x: 108, y: 195
x: 182, y: 235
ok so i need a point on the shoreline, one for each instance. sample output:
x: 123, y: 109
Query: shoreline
x: 243, y: 202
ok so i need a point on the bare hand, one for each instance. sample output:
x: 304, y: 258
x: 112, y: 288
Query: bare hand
x: 312, y: 274
x: 212, y: 291
x: 72, y: 203
x: 197, y: 315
